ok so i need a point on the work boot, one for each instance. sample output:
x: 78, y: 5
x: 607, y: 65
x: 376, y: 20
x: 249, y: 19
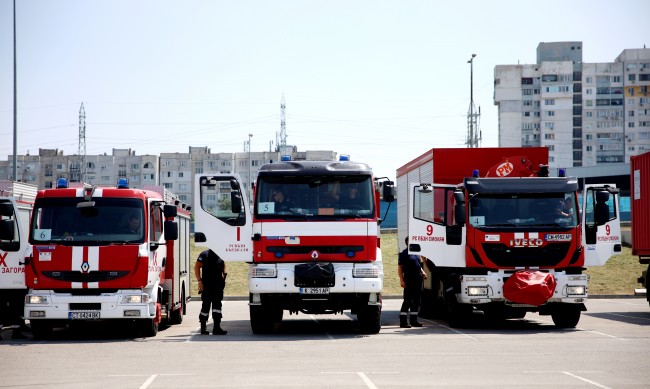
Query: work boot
x: 216, y: 330
x: 414, y: 320
x: 403, y: 323
x: 204, y: 328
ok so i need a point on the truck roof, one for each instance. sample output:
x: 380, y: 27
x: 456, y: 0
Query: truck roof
x: 521, y: 185
x: 309, y: 168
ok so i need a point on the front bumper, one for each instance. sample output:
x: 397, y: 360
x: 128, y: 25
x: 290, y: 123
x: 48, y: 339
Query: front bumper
x: 69, y: 306
x: 483, y: 289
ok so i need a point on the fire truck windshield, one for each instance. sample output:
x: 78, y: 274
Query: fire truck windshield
x: 308, y: 197
x: 533, y: 210
x: 108, y: 220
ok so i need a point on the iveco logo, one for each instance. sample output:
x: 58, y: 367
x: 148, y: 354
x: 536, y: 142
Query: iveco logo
x: 314, y: 255
x: 85, y: 267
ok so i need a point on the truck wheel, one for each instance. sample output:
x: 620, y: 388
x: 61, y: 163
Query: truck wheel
x: 566, y: 316
x: 177, y: 315
x: 459, y: 314
x: 148, y: 328
x: 41, y: 329
x: 370, y: 319
x: 261, y: 319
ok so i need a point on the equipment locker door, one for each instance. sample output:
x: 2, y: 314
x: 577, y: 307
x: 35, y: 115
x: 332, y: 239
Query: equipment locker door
x: 433, y: 232
x: 222, y: 217
x: 601, y: 227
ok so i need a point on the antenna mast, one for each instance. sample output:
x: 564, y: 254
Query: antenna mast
x: 81, y: 154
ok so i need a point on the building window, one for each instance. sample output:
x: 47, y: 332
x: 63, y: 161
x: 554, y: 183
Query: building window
x: 182, y: 186
x: 630, y: 113
x: 589, y: 91
x: 180, y: 174
x: 526, y: 81
x: 550, y: 113
x: 527, y: 92
x: 616, y: 78
x: 168, y: 185
x: 589, y: 148
x: 589, y: 80
x: 549, y: 125
x: 644, y: 124
x: 589, y: 137
x: 198, y: 170
x: 549, y: 101
x: 630, y: 124
x: 631, y: 77
x: 589, y: 114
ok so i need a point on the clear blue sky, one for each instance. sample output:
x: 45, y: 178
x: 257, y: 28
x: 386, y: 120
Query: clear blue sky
x: 383, y: 81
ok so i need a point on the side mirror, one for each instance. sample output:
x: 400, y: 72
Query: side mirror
x: 235, y: 202
x: 199, y: 237
x: 6, y: 210
x: 170, y: 210
x: 459, y: 214
x: 7, y: 230
x: 171, y: 230
x: 387, y: 191
x: 234, y: 185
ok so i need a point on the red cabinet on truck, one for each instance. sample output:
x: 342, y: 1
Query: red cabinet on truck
x: 640, y: 207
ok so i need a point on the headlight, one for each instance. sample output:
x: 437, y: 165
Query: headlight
x: 572, y: 290
x: 135, y: 299
x: 477, y: 291
x: 365, y: 272
x: 264, y: 272
x: 31, y: 299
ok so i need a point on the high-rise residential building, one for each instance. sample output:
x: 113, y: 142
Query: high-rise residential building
x: 587, y: 114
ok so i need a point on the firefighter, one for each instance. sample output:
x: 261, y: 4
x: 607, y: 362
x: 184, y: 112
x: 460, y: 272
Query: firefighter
x: 210, y: 271
x: 411, y: 274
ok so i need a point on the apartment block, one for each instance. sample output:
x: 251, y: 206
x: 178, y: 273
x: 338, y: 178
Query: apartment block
x: 587, y: 114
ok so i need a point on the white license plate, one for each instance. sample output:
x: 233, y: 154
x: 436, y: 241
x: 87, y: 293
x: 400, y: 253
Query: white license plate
x: 314, y: 290
x: 83, y: 315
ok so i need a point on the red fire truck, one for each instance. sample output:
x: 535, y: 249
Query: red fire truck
x: 107, y: 254
x: 640, y: 207
x: 502, y: 238
x: 16, y: 201
x: 311, y: 236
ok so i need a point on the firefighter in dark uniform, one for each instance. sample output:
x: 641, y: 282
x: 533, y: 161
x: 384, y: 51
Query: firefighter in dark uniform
x: 411, y: 274
x: 210, y: 271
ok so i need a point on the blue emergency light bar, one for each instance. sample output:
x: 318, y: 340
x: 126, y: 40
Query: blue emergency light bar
x: 123, y: 183
x: 285, y: 158
x: 61, y: 183
x: 344, y: 158
x: 475, y: 173
x: 561, y: 172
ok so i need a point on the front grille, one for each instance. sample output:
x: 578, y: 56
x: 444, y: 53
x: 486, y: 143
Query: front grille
x: 85, y: 292
x: 315, y: 275
x: 85, y: 306
x: 308, y: 249
x: 549, y: 255
x: 92, y: 276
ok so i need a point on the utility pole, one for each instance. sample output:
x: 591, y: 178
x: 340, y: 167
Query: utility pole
x: 15, y: 159
x: 250, y: 182
x: 473, y: 137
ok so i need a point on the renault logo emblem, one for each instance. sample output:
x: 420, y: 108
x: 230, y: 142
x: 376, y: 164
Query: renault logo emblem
x: 314, y: 255
x: 85, y: 267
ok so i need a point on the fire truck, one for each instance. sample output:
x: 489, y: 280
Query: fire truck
x: 16, y: 201
x: 640, y: 207
x: 311, y: 236
x: 102, y: 253
x: 499, y: 237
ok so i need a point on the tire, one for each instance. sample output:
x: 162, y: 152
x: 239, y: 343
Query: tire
x: 148, y: 328
x: 566, y: 316
x: 177, y: 315
x: 41, y: 329
x: 370, y: 319
x: 262, y: 319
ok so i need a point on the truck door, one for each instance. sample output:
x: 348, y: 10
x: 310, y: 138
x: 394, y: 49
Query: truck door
x: 601, y: 228
x: 432, y: 230
x: 14, y: 219
x: 222, y: 217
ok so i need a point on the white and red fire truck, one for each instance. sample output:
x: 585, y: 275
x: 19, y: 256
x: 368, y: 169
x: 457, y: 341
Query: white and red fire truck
x: 316, y: 252
x: 16, y: 201
x: 501, y: 237
x: 107, y: 254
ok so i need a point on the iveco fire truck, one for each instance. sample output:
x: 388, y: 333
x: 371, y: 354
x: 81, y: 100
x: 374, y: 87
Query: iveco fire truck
x: 501, y: 237
x: 107, y: 254
x: 311, y: 237
x: 16, y: 201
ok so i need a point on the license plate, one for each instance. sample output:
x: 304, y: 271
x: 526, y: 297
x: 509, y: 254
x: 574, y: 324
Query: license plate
x: 314, y: 290
x: 83, y: 315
